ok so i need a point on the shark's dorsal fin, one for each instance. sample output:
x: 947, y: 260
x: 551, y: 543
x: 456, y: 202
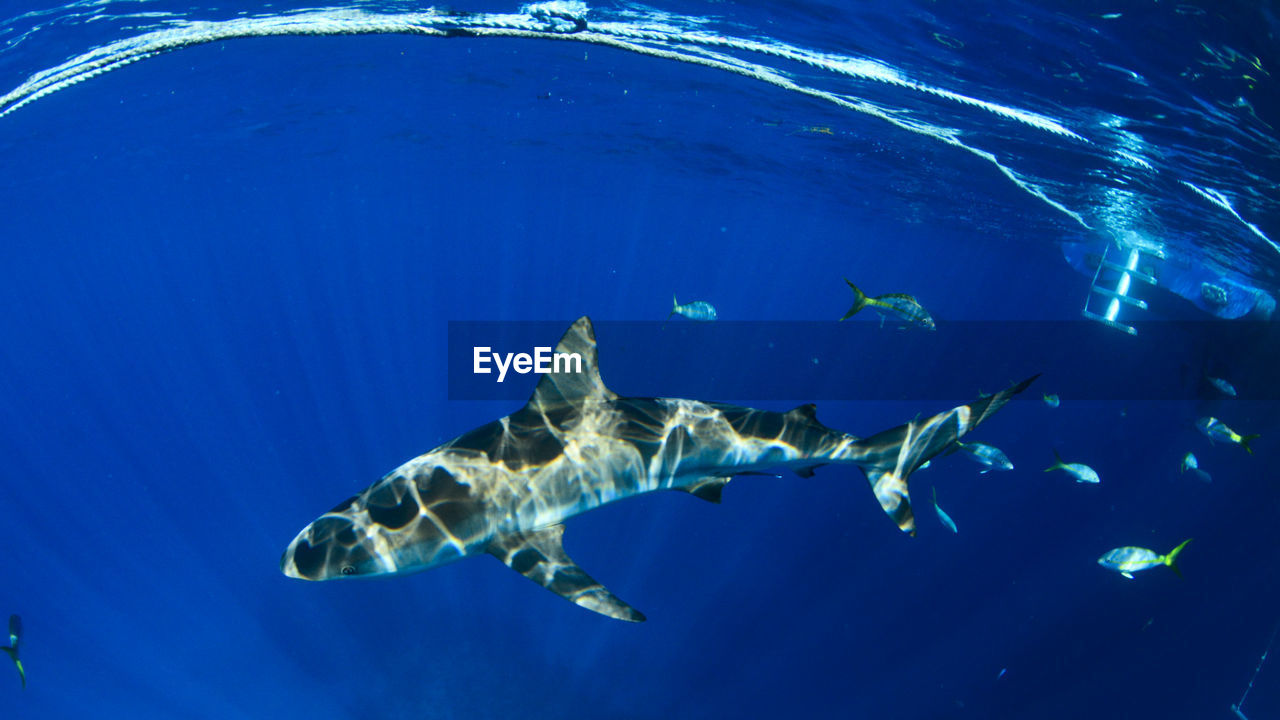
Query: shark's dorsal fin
x: 540, y: 556
x: 573, y: 387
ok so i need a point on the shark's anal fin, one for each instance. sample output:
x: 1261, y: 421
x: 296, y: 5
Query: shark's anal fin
x: 540, y: 556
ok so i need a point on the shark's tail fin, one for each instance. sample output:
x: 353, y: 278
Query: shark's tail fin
x: 889, y: 458
x: 859, y: 300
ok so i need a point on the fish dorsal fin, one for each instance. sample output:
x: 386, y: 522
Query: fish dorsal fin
x: 573, y: 387
x: 539, y: 555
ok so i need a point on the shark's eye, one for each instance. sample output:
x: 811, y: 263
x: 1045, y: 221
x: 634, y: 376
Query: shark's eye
x: 348, y: 570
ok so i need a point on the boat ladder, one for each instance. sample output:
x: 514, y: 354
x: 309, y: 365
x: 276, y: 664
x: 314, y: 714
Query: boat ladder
x: 1111, y: 285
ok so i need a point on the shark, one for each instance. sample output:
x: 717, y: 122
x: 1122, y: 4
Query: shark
x: 506, y: 488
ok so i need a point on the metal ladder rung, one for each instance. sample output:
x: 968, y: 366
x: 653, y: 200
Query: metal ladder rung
x: 1110, y: 323
x: 1135, y: 274
x: 1128, y: 300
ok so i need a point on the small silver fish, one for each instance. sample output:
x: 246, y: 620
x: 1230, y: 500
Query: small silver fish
x: 1082, y: 473
x: 989, y: 457
x: 1129, y: 560
x: 942, y: 515
x: 1215, y: 429
x: 903, y: 307
x: 1051, y: 400
x: 696, y: 310
x: 1222, y: 386
x: 1189, y: 462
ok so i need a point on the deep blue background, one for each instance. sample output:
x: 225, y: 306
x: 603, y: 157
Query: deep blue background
x: 226, y: 277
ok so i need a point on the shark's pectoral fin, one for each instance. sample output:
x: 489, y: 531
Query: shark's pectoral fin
x: 540, y: 556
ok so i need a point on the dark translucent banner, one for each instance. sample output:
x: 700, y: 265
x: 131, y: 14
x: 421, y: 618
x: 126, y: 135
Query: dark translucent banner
x: 862, y: 360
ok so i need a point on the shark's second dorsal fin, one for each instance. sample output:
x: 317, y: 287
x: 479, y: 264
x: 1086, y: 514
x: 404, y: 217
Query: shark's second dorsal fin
x: 573, y: 386
x: 803, y: 415
x: 540, y: 556
x: 808, y: 411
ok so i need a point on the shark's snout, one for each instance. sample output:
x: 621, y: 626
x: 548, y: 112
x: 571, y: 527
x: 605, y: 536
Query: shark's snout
x: 331, y: 547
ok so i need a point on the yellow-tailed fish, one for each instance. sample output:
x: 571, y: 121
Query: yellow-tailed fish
x: 1051, y: 400
x: 1215, y: 429
x: 15, y: 635
x: 1129, y: 560
x: 903, y: 307
x: 1082, y: 473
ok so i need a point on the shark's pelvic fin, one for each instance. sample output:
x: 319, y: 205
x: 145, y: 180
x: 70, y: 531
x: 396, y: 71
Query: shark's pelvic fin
x: 708, y: 488
x: 894, y: 454
x: 540, y: 556
x: 570, y: 389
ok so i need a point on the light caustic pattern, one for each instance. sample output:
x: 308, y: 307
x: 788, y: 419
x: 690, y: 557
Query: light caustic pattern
x: 671, y: 37
x: 654, y: 36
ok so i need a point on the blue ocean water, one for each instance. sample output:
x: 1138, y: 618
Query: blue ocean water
x: 235, y: 239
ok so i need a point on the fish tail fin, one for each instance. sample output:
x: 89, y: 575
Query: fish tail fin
x: 675, y: 305
x: 1057, y: 461
x: 859, y: 301
x: 1172, y: 558
x: 888, y: 458
x: 1245, y: 440
x: 12, y: 652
